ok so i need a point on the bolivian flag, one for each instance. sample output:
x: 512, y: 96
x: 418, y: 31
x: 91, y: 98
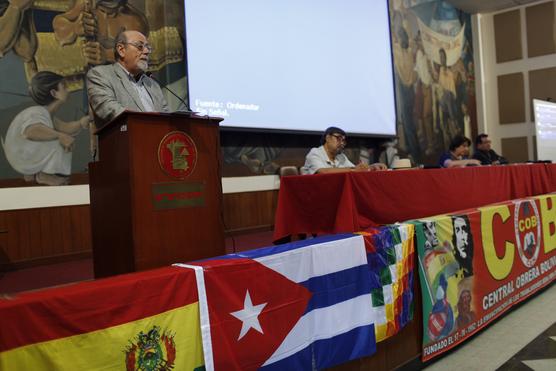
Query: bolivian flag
x: 141, y: 321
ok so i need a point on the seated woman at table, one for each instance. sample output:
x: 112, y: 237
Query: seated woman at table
x: 329, y: 157
x: 458, y: 155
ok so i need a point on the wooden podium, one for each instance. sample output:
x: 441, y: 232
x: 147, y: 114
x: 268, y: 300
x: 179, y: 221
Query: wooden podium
x: 156, y: 193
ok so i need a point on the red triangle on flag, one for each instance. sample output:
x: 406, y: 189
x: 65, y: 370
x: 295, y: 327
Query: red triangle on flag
x: 242, y: 293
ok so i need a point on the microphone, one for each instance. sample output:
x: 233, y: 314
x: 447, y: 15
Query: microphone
x: 187, y: 109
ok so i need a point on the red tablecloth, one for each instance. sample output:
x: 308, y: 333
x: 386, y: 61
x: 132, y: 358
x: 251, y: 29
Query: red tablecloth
x: 551, y: 168
x: 348, y: 202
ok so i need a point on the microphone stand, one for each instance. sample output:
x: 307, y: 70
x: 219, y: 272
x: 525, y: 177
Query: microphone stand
x: 187, y: 109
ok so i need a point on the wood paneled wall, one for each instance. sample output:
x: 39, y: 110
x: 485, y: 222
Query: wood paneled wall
x: 515, y: 149
x: 507, y: 36
x: 511, y: 98
x: 249, y: 211
x: 32, y: 237
x: 517, y: 65
x: 38, y: 236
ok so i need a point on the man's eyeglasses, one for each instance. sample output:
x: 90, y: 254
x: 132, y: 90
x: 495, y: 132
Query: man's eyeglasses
x: 340, y: 138
x: 141, y: 47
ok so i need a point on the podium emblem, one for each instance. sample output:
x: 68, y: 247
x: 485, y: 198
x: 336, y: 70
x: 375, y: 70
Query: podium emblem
x: 177, y: 154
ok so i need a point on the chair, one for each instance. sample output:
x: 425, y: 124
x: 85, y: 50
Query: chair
x: 288, y: 170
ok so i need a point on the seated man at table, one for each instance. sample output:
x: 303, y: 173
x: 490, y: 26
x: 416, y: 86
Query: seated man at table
x: 329, y: 157
x: 458, y: 154
x: 485, y: 154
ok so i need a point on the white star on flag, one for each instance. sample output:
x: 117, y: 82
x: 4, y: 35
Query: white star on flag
x: 249, y: 316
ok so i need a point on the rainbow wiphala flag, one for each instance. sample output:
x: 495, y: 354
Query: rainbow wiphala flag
x: 390, y: 255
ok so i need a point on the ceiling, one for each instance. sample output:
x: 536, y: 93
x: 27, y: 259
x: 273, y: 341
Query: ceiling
x: 485, y: 6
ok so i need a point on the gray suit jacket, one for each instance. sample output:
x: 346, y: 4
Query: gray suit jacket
x: 110, y: 92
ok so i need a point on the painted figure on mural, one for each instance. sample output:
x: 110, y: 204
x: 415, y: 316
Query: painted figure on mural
x: 446, y: 98
x: 451, y: 76
x: 445, y: 19
x: 441, y: 97
x: 405, y: 78
x: 69, y: 38
x: 258, y: 160
x: 17, y: 31
x: 98, y: 22
x: 38, y: 144
x: 423, y: 98
x: 471, y: 103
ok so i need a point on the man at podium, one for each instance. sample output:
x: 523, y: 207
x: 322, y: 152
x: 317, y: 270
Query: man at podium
x: 124, y: 85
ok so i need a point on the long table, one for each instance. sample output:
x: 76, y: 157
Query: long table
x: 353, y: 201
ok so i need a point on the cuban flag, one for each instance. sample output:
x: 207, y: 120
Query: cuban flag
x: 299, y: 306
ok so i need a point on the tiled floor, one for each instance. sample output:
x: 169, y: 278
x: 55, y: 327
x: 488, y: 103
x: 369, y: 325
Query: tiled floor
x: 540, y: 354
x: 502, y: 343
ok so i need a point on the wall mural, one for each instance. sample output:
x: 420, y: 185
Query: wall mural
x: 434, y: 76
x: 45, y: 42
x: 42, y: 41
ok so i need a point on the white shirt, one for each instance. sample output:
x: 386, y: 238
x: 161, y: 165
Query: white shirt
x: 317, y: 158
x: 144, y: 95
